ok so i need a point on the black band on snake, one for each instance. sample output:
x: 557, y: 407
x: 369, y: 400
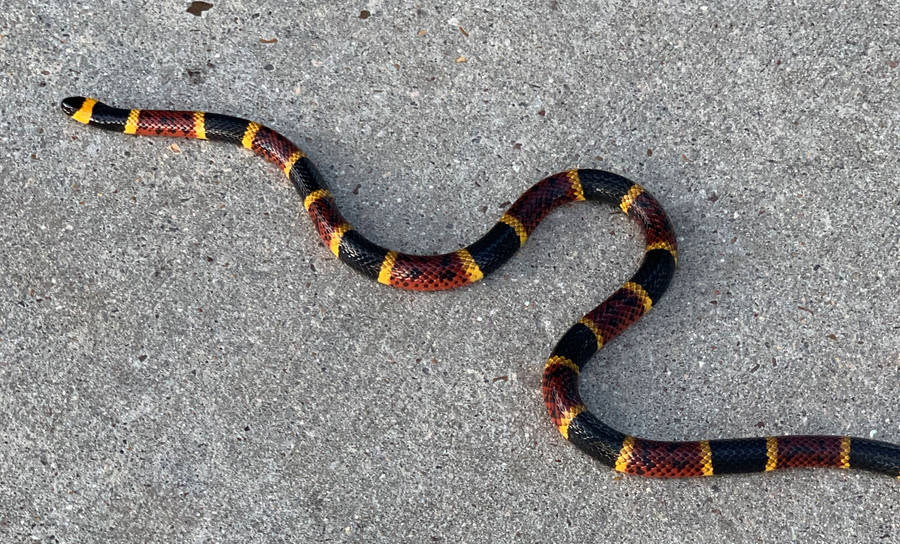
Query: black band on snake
x: 635, y: 298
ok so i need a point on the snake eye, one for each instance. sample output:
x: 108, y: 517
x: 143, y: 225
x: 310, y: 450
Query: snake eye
x: 71, y: 104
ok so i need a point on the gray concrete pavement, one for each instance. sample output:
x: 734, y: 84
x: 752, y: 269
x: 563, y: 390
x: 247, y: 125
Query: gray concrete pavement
x: 181, y: 360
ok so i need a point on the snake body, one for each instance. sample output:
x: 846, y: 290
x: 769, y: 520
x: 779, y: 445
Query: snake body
x: 624, y: 453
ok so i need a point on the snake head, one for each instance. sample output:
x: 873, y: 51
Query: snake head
x: 71, y: 104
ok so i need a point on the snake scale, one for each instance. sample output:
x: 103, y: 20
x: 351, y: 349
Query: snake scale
x: 623, y: 452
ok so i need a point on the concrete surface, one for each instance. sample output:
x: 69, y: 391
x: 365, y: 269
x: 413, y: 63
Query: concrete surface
x: 181, y: 361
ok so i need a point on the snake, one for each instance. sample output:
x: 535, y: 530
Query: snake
x: 623, y: 452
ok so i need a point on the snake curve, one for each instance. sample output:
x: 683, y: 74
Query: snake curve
x: 624, y: 453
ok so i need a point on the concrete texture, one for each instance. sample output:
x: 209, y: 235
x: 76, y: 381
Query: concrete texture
x: 181, y: 361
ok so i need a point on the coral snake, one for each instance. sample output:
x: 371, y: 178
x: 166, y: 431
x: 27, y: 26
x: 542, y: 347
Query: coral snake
x: 623, y: 452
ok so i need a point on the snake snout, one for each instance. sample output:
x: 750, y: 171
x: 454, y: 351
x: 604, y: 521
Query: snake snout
x: 71, y: 104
